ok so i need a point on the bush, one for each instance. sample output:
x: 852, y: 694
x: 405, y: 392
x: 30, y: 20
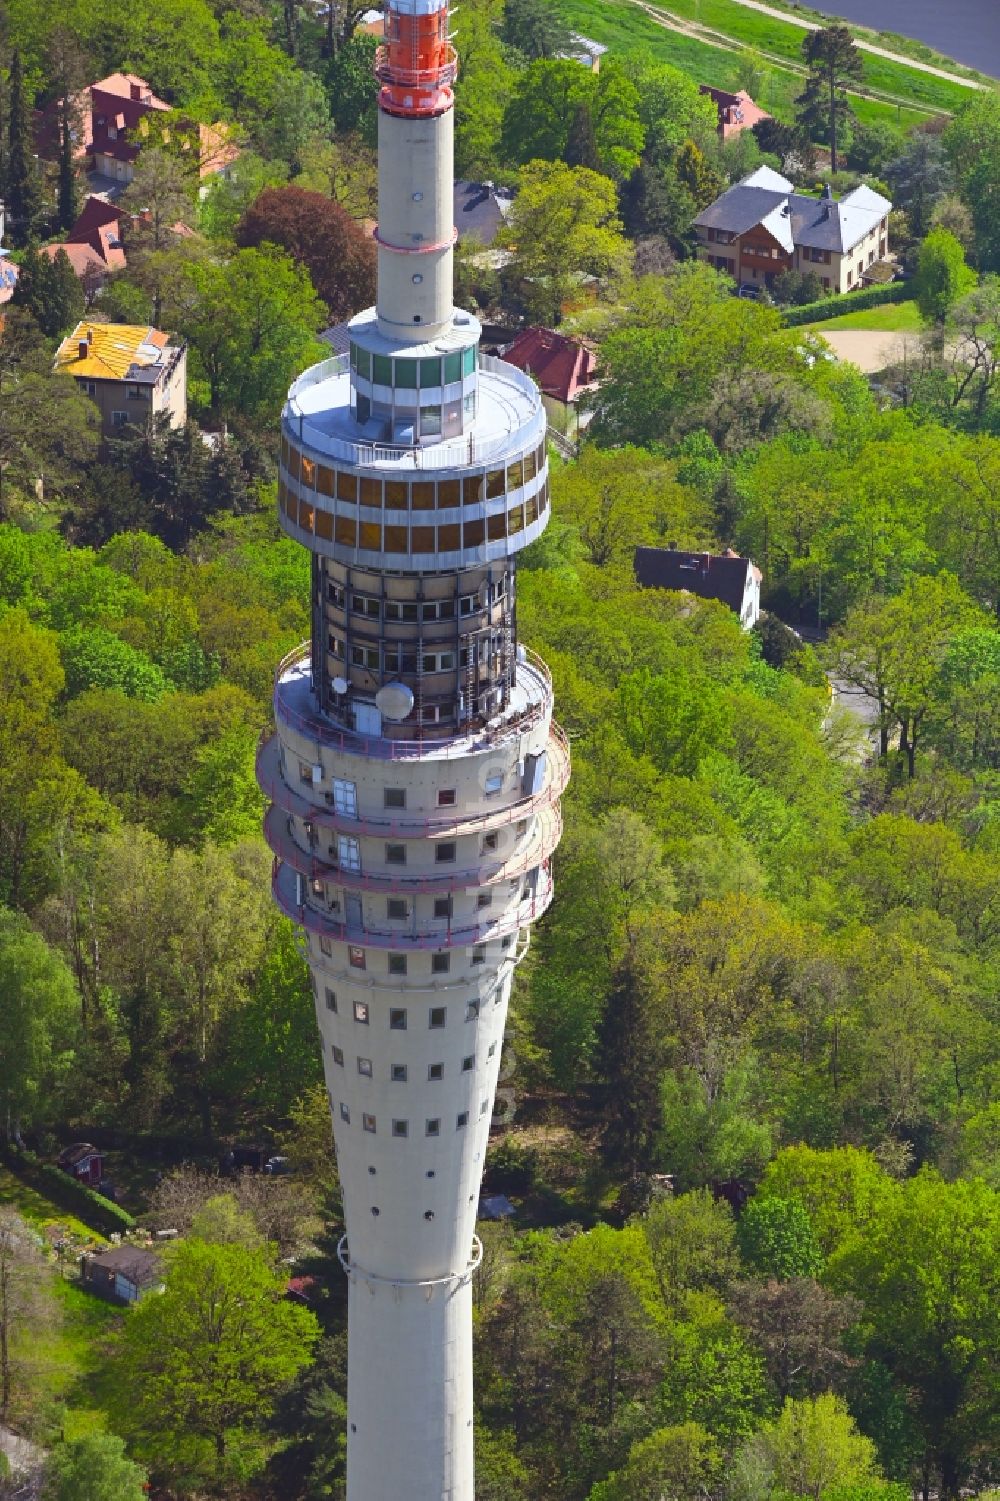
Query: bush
x: 91, y: 1207
x: 511, y: 1167
x: 848, y: 302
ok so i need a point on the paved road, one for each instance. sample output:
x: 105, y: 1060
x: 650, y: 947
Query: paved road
x: 25, y: 1458
x: 894, y: 57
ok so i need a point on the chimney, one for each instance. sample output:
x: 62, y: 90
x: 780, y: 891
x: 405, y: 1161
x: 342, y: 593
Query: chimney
x: 135, y: 90
x: 84, y: 349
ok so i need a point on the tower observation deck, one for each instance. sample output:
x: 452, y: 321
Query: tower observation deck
x: 414, y: 777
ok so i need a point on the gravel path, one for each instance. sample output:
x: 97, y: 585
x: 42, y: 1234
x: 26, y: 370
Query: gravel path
x: 894, y: 57
x: 869, y: 349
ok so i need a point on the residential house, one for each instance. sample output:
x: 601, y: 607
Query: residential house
x: 92, y: 272
x: 99, y: 226
x: 761, y: 227
x: 727, y: 577
x: 124, y: 1274
x: 737, y: 112
x: 133, y: 372
x: 563, y: 368
x: 585, y: 51
x: 83, y: 1162
x: 481, y: 210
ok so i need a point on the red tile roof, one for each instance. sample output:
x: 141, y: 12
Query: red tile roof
x: 84, y: 259
x: 561, y: 366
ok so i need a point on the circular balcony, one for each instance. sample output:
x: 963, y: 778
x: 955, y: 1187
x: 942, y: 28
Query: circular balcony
x: 283, y: 794
x: 539, y: 848
x: 295, y: 706
x: 285, y: 890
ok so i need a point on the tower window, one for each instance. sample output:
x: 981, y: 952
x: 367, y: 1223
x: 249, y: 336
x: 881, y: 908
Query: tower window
x: 361, y: 1012
x: 471, y: 1011
x: 400, y: 1128
x: 462, y: 1119
x: 442, y: 906
x: 469, y: 1063
x: 447, y: 797
x: 394, y: 797
x: 479, y: 956
x: 397, y: 964
x: 368, y: 1122
x: 398, y: 1073
x: 365, y: 1067
x: 338, y: 1055
x: 435, y: 1071
x: 444, y: 854
x: 397, y: 1020
x: 331, y: 999
x: 345, y: 1114
x: 433, y: 1128
x: 395, y: 854
x: 440, y: 964
x: 436, y: 1016
x: 356, y: 958
x: 397, y: 909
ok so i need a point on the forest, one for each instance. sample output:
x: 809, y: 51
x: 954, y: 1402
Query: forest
x: 751, y: 1122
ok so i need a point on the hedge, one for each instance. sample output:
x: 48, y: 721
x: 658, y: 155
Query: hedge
x: 76, y: 1198
x: 848, y: 302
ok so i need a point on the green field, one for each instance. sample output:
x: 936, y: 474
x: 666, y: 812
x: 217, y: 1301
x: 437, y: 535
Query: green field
x: 38, y: 1210
x: 892, y: 317
x: 908, y: 96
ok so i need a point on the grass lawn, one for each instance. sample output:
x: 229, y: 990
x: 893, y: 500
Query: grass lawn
x: 38, y: 1210
x: 624, y: 27
x: 891, y: 318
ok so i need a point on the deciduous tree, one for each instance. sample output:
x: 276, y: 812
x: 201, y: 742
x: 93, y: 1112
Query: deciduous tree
x: 321, y: 237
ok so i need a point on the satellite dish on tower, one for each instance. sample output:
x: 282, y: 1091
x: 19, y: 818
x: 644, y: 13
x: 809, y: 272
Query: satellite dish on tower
x: 339, y: 685
x: 395, y: 700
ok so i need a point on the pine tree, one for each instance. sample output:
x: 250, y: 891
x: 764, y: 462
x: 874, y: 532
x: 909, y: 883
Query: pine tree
x: 834, y: 61
x: 22, y: 185
x: 66, y: 302
x: 68, y: 200
x: 581, y: 143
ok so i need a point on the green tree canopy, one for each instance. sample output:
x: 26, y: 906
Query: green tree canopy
x: 93, y: 1467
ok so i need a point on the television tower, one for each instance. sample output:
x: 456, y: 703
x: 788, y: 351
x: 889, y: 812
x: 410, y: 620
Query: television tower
x: 414, y: 778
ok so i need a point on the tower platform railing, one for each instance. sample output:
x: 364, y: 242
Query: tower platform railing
x: 284, y: 888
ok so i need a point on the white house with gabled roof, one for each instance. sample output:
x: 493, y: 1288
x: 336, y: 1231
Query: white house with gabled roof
x: 761, y: 227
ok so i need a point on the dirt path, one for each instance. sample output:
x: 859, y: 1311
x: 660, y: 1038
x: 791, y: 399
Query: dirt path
x: 894, y: 57
x: 868, y: 348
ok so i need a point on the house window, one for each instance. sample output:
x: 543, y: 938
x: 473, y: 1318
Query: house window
x: 440, y: 964
x: 395, y: 854
x: 356, y: 959
x: 479, y: 956
x: 368, y: 1122
x: 338, y: 1055
x: 397, y: 909
x: 331, y: 999
x: 436, y: 1016
x: 394, y: 797
x: 435, y: 1071
x: 490, y: 843
x: 444, y: 854
x: 484, y: 899
x: 134, y: 393
x: 398, y: 1073
x: 397, y: 1019
x: 397, y: 964
x: 119, y: 419
x: 365, y: 1067
x: 361, y: 1012
x: 400, y: 1128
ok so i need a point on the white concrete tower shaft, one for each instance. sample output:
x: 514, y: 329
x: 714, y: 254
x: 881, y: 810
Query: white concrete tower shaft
x: 414, y: 778
x: 416, y: 232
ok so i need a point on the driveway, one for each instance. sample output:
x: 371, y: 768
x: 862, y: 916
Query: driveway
x: 869, y: 349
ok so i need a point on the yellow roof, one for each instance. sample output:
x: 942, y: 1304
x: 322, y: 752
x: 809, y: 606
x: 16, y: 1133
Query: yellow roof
x: 112, y: 349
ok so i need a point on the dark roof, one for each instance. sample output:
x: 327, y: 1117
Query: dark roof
x: 481, y: 210
x: 135, y: 1263
x: 77, y: 1153
x: 824, y: 223
x: 709, y: 575
x: 338, y: 336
